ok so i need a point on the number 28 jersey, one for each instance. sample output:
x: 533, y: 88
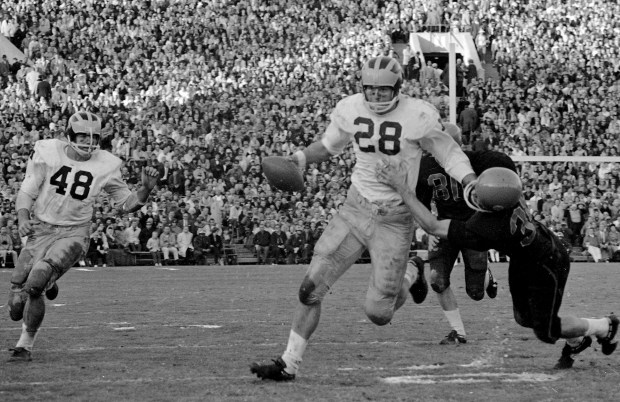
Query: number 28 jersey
x: 399, y: 135
x: 65, y: 190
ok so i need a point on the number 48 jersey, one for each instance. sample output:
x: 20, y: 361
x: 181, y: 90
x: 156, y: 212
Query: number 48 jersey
x: 65, y: 190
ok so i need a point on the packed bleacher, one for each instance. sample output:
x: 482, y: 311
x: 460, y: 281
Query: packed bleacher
x: 205, y: 89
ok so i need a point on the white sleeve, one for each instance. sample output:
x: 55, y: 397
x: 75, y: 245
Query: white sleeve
x: 337, y: 135
x: 35, y: 175
x: 447, y: 152
x: 117, y: 188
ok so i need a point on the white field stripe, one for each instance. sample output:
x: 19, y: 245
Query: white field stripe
x: 462, y: 378
x: 127, y: 381
x: 214, y: 346
x: 84, y: 269
x: 409, y: 368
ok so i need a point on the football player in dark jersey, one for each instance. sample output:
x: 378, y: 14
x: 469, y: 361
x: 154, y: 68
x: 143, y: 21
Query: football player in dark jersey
x: 539, y: 263
x: 434, y: 184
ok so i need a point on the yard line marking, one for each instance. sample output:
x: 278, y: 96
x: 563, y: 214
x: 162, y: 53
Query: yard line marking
x: 84, y: 269
x: 420, y: 367
x: 119, y: 323
x: 125, y: 329
x: 168, y: 269
x: 127, y: 381
x: 58, y: 305
x: 467, y: 378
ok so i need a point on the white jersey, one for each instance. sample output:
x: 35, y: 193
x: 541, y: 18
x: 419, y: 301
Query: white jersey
x: 65, y: 190
x: 399, y: 135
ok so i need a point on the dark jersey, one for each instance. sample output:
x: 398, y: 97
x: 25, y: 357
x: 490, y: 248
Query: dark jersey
x: 514, y: 233
x: 435, y: 184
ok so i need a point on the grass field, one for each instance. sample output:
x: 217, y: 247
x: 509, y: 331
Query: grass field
x: 190, y: 333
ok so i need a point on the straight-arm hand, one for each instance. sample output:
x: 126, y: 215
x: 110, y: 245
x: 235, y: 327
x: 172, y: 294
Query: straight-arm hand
x: 395, y: 175
x: 138, y: 198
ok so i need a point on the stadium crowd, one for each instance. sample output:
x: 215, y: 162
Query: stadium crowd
x: 204, y: 89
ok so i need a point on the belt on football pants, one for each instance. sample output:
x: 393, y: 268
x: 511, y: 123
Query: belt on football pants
x: 377, y: 207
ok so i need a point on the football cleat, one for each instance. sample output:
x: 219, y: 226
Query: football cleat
x: 492, y: 286
x: 52, y: 292
x: 453, y: 338
x: 20, y: 355
x: 566, y: 360
x: 272, y: 371
x: 419, y: 288
x: 609, y: 343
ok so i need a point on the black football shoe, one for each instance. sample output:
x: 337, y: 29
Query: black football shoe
x: 453, y: 338
x: 20, y: 355
x: 566, y: 360
x: 272, y: 371
x: 419, y: 288
x: 491, y: 286
x: 609, y: 343
x: 52, y: 292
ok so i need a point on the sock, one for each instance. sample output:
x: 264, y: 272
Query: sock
x: 410, y: 275
x: 26, y: 340
x: 597, y: 326
x: 454, y: 319
x: 294, y: 352
x: 574, y: 342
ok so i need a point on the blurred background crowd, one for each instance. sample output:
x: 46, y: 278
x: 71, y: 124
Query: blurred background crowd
x: 205, y: 89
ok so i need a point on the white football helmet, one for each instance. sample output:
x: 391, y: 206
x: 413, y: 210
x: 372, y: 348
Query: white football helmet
x: 382, y: 71
x: 84, y: 123
x: 496, y: 189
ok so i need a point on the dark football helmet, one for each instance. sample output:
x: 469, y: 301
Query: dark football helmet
x: 496, y: 189
x: 382, y: 71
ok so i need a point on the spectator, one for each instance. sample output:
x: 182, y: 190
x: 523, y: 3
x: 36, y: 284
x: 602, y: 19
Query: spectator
x: 262, y: 243
x: 278, y: 245
x: 185, y: 245
x: 297, y: 250
x: 592, y: 244
x: 216, y: 245
x: 202, y: 247
x: 6, y: 247
x: 152, y: 245
x: 132, y: 234
x: 168, y: 244
x: 146, y: 233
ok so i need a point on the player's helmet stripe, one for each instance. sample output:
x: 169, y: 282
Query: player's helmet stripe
x: 384, y: 63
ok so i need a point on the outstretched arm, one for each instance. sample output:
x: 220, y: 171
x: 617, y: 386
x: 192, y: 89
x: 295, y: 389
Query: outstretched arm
x: 395, y: 175
x: 138, y: 198
x: 314, y: 153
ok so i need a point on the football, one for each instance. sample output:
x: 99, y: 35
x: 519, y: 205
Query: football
x: 283, y: 174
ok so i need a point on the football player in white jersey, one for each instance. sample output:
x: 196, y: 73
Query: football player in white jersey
x: 381, y: 123
x: 63, y: 180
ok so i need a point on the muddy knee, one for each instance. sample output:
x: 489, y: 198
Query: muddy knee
x: 37, y: 280
x: 309, y: 293
x: 438, y: 283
